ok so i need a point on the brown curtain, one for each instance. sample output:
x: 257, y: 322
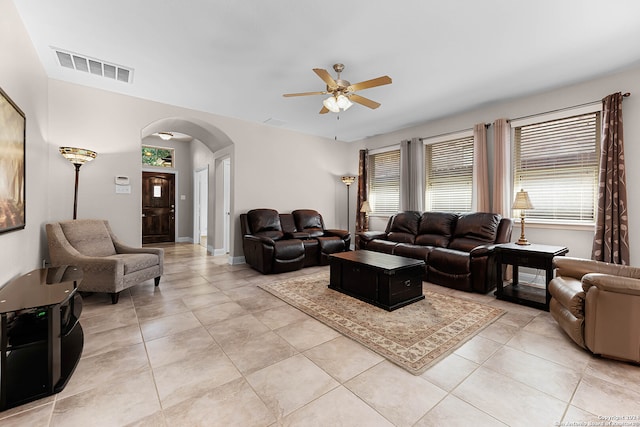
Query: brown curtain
x: 611, y: 240
x: 481, y: 202
x: 363, y: 167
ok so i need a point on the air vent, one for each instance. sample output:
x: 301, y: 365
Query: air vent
x: 93, y: 66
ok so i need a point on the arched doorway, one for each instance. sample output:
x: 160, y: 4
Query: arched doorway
x: 210, y: 148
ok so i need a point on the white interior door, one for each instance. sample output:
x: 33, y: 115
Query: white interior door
x: 226, y: 164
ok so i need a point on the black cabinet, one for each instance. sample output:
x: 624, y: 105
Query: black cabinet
x: 41, y: 339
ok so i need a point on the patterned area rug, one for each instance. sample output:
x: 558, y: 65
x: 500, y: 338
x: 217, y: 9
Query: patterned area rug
x: 414, y: 337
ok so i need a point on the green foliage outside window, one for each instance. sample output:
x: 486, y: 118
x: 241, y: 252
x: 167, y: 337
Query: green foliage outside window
x: 157, y: 156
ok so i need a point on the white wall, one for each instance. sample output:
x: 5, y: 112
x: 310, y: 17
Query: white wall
x: 23, y: 79
x: 578, y: 241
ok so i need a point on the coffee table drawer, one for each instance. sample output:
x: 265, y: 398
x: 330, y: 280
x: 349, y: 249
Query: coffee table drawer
x: 400, y: 287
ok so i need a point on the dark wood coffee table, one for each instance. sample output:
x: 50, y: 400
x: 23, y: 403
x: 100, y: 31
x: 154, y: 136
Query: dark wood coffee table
x: 386, y: 281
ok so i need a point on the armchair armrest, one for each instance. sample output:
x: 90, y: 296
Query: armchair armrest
x: 611, y: 283
x: 578, y: 267
x: 343, y: 234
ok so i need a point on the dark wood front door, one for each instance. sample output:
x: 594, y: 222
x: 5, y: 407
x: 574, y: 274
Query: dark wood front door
x: 158, y: 207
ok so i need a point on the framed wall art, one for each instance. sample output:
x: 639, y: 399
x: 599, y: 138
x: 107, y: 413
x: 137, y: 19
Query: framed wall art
x: 12, y: 165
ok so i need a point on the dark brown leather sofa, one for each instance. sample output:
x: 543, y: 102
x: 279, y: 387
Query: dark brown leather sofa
x: 274, y: 242
x: 457, y: 248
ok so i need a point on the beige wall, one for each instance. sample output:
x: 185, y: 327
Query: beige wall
x: 577, y: 240
x: 23, y: 79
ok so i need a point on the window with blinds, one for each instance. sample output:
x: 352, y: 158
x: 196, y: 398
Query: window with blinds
x: 384, y: 182
x: 449, y: 175
x: 556, y: 162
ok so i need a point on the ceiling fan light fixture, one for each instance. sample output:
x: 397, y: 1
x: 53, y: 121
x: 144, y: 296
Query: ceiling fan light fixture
x: 331, y: 104
x: 343, y: 102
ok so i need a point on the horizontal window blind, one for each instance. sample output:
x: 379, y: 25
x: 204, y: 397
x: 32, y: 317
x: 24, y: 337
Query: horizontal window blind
x: 556, y: 162
x: 449, y: 175
x: 384, y: 182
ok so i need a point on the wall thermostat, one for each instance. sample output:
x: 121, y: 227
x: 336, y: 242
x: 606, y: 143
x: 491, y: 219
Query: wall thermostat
x: 122, y: 180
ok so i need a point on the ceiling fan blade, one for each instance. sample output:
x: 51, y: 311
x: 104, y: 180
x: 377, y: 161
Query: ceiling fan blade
x: 364, y: 101
x: 326, y: 77
x: 384, y: 80
x: 287, y: 95
x: 324, y: 110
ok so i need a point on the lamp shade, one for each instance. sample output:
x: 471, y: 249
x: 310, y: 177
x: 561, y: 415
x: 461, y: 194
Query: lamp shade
x: 331, y: 104
x: 366, y: 208
x: 78, y: 156
x: 348, y: 180
x: 343, y: 102
x: 522, y: 201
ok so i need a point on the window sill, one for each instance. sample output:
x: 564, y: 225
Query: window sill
x: 531, y: 223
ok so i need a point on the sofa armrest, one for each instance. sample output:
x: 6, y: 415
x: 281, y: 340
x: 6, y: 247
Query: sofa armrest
x: 611, y: 283
x: 297, y: 235
x: 259, y: 239
x: 343, y: 234
x: 368, y: 236
x: 482, y: 250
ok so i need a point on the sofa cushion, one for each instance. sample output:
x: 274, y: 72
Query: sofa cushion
x: 450, y: 261
x: 412, y: 251
x: 137, y: 262
x: 436, y: 229
x: 309, y: 221
x: 475, y: 229
x: 288, y: 249
x: 265, y: 223
x: 404, y: 227
x: 478, y: 225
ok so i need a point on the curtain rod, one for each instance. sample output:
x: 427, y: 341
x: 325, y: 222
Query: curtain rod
x: 586, y: 104
x: 486, y: 125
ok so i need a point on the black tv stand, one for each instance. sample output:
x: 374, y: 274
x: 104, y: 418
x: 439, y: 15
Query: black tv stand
x: 41, y: 339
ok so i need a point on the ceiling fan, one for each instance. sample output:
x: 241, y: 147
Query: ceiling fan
x: 342, y: 92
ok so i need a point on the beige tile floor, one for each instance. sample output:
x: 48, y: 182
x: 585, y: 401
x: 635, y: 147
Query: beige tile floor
x: 209, y: 348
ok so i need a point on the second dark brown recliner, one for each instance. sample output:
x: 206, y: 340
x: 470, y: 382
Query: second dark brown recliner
x: 265, y: 245
x: 330, y: 241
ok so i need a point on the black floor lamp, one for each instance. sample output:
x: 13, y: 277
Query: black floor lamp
x: 77, y: 156
x: 348, y: 180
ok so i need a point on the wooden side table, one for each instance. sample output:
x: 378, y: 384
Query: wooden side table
x: 534, y: 256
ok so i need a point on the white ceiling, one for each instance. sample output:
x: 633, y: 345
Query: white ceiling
x: 237, y: 58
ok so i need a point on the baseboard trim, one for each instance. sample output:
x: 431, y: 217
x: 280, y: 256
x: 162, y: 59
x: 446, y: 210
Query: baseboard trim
x: 184, y: 240
x: 217, y: 252
x: 236, y: 260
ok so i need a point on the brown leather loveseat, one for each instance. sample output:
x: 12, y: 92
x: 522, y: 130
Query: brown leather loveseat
x: 457, y: 248
x: 275, y: 243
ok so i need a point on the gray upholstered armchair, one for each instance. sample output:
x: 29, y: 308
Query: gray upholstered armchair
x: 108, y: 265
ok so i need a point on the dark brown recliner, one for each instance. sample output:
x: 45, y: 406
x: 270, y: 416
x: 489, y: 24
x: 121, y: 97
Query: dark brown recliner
x: 266, y: 247
x: 330, y: 241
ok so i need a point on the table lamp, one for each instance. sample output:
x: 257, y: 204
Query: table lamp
x: 522, y: 203
x: 366, y: 209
